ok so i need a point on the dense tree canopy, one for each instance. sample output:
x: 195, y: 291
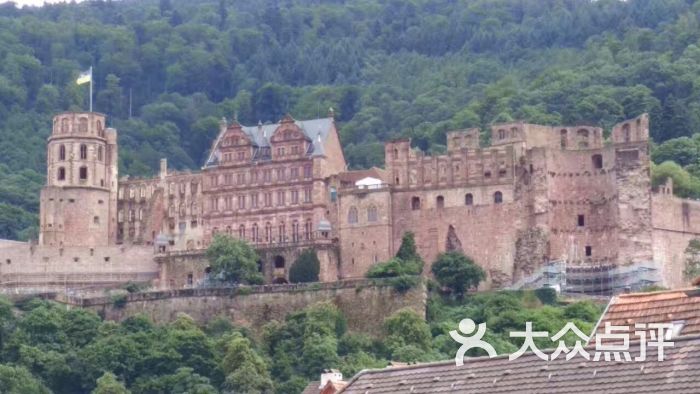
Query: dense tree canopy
x: 167, y: 71
x: 49, y: 349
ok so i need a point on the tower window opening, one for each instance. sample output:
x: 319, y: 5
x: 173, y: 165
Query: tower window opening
x: 83, y: 173
x: 83, y: 152
x: 589, y: 251
x: 581, y: 220
x: 61, y: 176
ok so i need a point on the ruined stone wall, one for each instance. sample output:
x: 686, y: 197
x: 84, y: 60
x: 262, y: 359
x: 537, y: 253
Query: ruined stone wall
x: 487, y: 230
x: 675, y: 222
x: 365, y: 306
x: 34, y: 266
x: 367, y: 239
x: 582, y: 207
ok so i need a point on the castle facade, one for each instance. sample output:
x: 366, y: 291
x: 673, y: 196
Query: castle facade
x: 537, y: 195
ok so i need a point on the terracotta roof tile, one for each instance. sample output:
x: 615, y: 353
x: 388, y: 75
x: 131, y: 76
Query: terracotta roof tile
x: 528, y: 374
x: 657, y: 307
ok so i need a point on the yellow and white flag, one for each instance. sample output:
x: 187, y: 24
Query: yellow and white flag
x: 84, y: 77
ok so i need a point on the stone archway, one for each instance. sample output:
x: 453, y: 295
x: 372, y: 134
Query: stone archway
x: 279, y: 272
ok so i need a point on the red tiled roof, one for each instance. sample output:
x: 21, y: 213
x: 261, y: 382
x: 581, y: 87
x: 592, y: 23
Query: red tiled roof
x: 677, y: 373
x: 656, y: 307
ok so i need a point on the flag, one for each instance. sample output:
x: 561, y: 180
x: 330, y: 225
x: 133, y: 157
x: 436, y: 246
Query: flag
x: 84, y: 77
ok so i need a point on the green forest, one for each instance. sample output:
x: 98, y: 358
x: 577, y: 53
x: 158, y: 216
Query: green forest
x: 166, y: 72
x: 46, y: 348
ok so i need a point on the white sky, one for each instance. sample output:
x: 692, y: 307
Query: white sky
x: 21, y: 3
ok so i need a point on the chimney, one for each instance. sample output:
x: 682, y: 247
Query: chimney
x: 330, y: 375
x: 163, y: 168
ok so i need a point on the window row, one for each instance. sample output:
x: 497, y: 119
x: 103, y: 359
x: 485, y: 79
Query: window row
x: 182, y: 210
x: 255, y: 200
x: 82, y: 126
x: 440, y: 200
x: 82, y: 173
x: 269, y: 233
x: 372, y: 214
x: 133, y: 215
x: 263, y: 176
x: 83, y: 154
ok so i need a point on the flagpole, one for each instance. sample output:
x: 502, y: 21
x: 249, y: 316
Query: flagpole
x: 90, y: 88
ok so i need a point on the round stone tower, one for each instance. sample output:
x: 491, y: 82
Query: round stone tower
x: 79, y: 201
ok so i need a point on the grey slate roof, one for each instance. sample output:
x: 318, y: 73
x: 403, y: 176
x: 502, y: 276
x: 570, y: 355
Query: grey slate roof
x: 260, y: 137
x: 678, y: 373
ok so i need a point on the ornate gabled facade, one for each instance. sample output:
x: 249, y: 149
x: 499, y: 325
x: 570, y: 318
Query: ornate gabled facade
x: 536, y: 195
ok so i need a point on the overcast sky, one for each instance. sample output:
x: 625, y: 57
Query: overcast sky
x: 35, y: 2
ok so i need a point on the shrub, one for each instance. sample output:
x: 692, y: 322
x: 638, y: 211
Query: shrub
x: 305, y: 268
x: 119, y: 301
x: 546, y: 295
x: 457, y: 272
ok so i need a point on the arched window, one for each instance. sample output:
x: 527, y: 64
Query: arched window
x: 295, y: 231
x: 99, y: 153
x: 268, y: 232
x: 83, y: 152
x: 415, y: 203
x: 83, y: 173
x: 396, y: 154
x: 62, y: 152
x: 563, y: 138
x: 281, y: 232
x: 64, y: 125
x: 83, y: 125
x: 626, y: 132
x: 372, y: 214
x: 352, y: 215
x: 61, y: 176
x: 308, y: 228
x: 241, y: 231
x: 468, y: 199
x: 100, y: 130
x: 440, y: 202
x: 498, y: 197
x: 255, y: 235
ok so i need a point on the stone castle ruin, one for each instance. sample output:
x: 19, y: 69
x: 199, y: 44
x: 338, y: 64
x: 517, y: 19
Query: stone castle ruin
x: 541, y: 205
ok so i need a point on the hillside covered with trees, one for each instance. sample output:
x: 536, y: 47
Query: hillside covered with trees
x: 45, y: 348
x: 166, y: 71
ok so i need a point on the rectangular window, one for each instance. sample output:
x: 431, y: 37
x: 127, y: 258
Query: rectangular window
x: 214, y: 204
x: 83, y: 173
x: 241, y: 156
x: 294, y: 173
x: 307, y: 194
x: 581, y: 220
x: 589, y: 251
x: 253, y: 177
x: 227, y: 179
x: 267, y: 174
x: 280, y: 197
x: 268, y: 199
x: 241, y: 202
x: 295, y: 196
x: 240, y: 178
x: 228, y: 201
x: 213, y: 180
x: 307, y: 172
x: 254, y: 200
x: 280, y: 174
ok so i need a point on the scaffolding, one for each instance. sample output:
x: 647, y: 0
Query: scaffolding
x: 592, y: 279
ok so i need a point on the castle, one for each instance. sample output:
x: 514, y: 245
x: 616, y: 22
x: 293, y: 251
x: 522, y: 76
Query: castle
x: 536, y: 195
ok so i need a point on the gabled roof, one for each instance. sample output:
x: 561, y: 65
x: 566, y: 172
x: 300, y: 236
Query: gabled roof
x: 260, y: 138
x: 655, y: 307
x: 677, y: 373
